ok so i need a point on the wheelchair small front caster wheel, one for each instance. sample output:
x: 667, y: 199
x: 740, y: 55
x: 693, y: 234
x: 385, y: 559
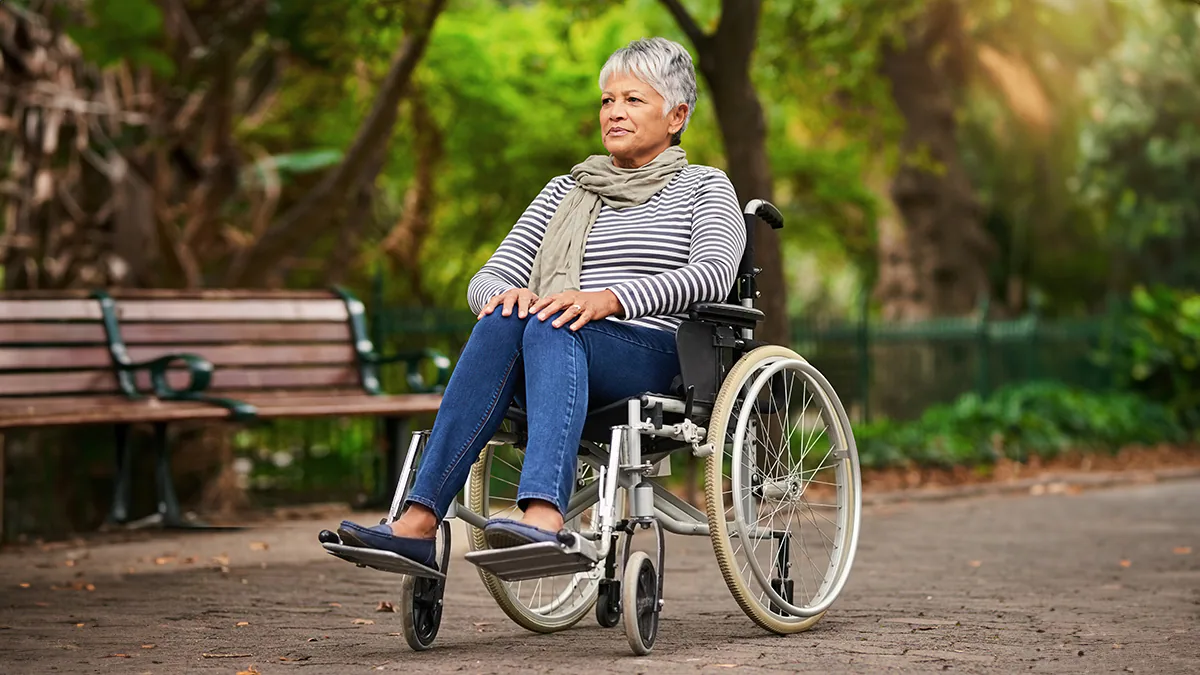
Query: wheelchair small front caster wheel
x: 329, y: 537
x: 608, y: 603
x: 639, y: 603
x: 421, y: 610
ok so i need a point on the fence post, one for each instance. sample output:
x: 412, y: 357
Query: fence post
x: 982, y: 348
x: 864, y: 357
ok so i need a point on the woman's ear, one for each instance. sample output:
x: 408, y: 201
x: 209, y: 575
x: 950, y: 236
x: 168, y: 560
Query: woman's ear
x: 677, y: 117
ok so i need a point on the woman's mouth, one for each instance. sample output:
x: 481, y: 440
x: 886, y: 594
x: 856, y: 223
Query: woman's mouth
x: 617, y: 131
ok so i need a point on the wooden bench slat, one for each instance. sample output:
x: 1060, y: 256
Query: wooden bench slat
x: 74, y: 358
x: 225, y: 379
x: 113, y: 409
x: 55, y: 358
x: 179, y: 333
x: 231, y: 310
x: 82, y: 381
x: 52, y: 333
x: 299, y: 405
x: 48, y: 310
x: 223, y: 356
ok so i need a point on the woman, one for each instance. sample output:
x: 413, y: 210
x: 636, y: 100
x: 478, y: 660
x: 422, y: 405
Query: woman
x: 578, y: 306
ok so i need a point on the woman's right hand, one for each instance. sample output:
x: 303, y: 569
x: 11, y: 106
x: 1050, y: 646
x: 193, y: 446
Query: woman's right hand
x: 522, y: 298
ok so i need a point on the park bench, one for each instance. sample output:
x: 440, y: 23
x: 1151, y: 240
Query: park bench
x: 161, y: 357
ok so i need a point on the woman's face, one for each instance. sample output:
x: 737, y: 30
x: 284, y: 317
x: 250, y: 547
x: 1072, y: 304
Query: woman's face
x: 632, y: 125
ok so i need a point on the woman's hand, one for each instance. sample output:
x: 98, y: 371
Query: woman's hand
x: 583, y: 307
x: 520, y: 297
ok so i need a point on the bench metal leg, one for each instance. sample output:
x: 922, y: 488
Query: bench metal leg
x: 118, y: 512
x: 168, y: 503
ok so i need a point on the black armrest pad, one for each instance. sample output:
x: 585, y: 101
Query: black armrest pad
x: 725, y: 314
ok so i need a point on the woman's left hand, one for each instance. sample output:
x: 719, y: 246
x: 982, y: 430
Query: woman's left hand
x: 578, y: 305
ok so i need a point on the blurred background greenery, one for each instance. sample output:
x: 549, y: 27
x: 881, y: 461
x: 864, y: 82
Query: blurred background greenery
x: 993, y: 221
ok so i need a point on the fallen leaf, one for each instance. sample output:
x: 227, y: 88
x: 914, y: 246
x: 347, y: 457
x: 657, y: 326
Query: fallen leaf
x: 147, y: 646
x: 385, y: 606
x: 258, y: 546
x: 335, y: 604
x: 69, y: 563
x: 1183, y: 550
x: 163, y: 560
x: 24, y: 584
x: 481, y: 624
x: 42, y: 604
x: 243, y: 623
x: 1118, y: 646
x: 975, y: 563
x: 312, y: 639
x: 363, y: 622
x: 188, y: 560
x: 120, y: 656
x: 221, y: 560
x: 396, y: 634
x: 79, y: 625
x: 248, y: 671
x: 89, y: 588
x: 1125, y: 563
x: 225, y: 656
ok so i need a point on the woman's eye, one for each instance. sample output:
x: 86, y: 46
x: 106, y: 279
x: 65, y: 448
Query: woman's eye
x: 634, y: 99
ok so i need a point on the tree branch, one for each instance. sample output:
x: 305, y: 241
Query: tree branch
x: 687, y: 23
x: 301, y: 224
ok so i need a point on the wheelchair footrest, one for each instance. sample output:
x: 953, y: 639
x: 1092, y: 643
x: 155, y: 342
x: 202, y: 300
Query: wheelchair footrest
x: 381, y: 560
x: 534, y: 561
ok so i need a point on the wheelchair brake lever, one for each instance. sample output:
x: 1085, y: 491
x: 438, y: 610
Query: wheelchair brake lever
x: 688, y: 399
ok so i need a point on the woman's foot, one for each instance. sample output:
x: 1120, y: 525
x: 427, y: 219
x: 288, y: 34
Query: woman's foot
x: 412, y: 536
x: 541, y: 523
x: 380, y: 538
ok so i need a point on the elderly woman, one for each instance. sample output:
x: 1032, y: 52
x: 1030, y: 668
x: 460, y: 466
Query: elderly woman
x: 578, y: 306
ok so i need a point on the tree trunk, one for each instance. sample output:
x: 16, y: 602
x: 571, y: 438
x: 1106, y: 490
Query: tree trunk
x: 724, y: 62
x: 293, y: 231
x: 936, y: 263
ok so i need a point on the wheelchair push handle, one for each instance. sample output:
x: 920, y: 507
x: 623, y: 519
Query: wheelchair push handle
x: 767, y: 211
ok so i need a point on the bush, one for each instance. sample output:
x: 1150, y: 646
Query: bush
x: 1042, y: 419
x: 1163, y: 349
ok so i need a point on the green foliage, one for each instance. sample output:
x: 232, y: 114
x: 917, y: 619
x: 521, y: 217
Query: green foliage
x: 1141, y: 154
x: 1042, y: 419
x: 117, y: 30
x: 1163, y: 348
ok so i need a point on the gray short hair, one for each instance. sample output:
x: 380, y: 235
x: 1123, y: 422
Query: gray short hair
x: 662, y: 64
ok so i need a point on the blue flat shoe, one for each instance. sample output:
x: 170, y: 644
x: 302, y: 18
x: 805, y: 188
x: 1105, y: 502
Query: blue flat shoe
x: 506, y: 533
x: 380, y: 538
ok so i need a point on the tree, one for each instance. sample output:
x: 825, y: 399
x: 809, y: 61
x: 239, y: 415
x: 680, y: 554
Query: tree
x: 724, y: 62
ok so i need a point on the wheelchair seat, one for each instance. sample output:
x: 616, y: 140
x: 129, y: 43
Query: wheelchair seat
x: 597, y: 428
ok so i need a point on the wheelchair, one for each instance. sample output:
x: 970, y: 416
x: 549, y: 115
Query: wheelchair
x: 782, y: 506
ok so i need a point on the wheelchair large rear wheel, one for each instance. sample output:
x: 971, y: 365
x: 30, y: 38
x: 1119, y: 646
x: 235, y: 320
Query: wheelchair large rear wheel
x: 544, y: 605
x: 783, y: 489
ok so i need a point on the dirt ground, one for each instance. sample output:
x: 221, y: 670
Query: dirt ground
x: 1097, y: 581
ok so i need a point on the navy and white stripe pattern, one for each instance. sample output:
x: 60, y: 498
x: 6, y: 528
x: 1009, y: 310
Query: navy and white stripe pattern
x: 680, y: 247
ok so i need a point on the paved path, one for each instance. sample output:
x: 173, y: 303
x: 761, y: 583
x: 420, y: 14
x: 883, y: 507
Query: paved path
x: 1098, y: 582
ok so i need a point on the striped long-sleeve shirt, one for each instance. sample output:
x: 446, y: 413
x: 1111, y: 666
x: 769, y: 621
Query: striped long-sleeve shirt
x: 680, y: 247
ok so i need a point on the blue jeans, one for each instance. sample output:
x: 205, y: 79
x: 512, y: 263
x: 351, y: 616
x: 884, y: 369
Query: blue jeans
x: 559, y: 374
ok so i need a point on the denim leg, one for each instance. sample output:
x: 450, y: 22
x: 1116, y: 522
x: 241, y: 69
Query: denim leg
x: 566, y: 373
x: 479, y: 392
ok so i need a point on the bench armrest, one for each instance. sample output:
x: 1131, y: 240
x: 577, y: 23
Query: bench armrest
x: 200, y: 376
x: 725, y: 314
x: 416, y: 381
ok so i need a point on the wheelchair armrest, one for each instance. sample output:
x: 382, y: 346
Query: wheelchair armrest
x: 725, y: 314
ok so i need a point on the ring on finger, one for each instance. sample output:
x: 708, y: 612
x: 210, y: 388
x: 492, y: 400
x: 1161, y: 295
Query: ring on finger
x: 577, y: 308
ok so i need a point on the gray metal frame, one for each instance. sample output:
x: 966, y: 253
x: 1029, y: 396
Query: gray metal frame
x: 623, y: 468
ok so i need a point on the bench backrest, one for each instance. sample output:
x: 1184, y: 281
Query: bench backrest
x: 281, y: 341
x: 54, y: 347
x: 257, y: 341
